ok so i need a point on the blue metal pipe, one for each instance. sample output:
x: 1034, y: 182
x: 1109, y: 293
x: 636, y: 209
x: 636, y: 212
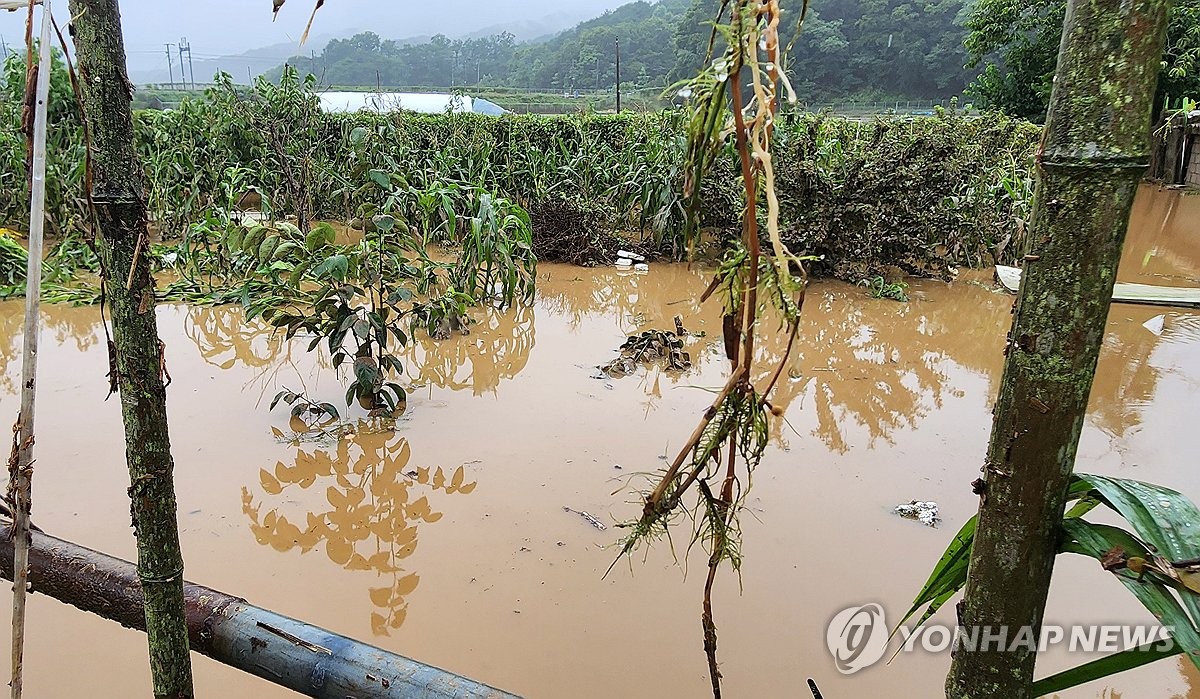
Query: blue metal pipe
x: 304, y: 658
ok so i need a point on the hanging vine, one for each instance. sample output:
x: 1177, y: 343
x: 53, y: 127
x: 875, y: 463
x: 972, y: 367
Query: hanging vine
x: 736, y: 96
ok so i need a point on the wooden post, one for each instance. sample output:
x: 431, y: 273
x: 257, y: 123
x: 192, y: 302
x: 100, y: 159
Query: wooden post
x: 21, y: 478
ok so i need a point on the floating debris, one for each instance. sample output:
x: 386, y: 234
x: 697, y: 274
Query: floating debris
x: 650, y: 346
x: 924, y: 512
x: 1156, y: 325
x: 631, y: 256
x: 589, y: 518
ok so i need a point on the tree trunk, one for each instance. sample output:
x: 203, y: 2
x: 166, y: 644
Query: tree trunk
x: 1095, y: 150
x: 119, y: 197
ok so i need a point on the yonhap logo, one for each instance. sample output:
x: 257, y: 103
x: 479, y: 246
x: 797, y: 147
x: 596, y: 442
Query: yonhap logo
x: 857, y: 638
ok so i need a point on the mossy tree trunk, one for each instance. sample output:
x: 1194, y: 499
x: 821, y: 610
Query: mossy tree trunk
x: 1095, y: 150
x: 118, y: 192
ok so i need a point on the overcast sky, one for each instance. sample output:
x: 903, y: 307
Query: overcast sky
x: 222, y: 27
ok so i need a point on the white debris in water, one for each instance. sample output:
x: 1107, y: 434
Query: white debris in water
x: 924, y: 512
x: 641, y: 267
x: 624, y: 262
x: 630, y: 256
x: 1156, y: 324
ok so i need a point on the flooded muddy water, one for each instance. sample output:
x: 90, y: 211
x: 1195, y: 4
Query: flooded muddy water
x: 446, y: 539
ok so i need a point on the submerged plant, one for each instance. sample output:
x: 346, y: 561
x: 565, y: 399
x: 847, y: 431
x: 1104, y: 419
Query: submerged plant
x: 356, y: 309
x: 650, y: 346
x: 880, y: 288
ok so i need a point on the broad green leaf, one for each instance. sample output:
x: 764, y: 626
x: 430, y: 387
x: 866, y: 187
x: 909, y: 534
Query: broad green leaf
x: 1156, y: 596
x: 380, y: 178
x: 1163, y: 518
x: 1107, y: 666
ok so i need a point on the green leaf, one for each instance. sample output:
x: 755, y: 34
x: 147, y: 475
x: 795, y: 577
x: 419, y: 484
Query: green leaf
x: 401, y: 394
x: 948, y: 576
x: 366, y: 370
x: 282, y: 395
x: 318, y: 238
x: 1107, y: 666
x: 380, y: 178
x: 335, y: 266
x: 1164, y: 518
x: 384, y: 223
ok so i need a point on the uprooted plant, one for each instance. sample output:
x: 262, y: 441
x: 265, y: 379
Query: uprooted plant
x: 880, y: 288
x: 736, y: 95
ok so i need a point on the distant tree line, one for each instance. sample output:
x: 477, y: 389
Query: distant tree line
x: 1000, y: 52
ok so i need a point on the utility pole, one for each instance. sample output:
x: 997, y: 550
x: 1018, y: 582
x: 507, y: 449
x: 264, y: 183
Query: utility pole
x: 185, y: 46
x: 171, y: 67
x: 3, y: 48
x: 618, y: 76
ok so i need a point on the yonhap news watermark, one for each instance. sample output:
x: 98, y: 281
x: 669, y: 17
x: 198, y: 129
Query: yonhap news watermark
x: 859, y: 637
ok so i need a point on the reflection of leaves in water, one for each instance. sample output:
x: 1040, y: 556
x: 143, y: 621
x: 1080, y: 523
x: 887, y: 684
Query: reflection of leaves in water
x: 652, y: 298
x: 79, y: 325
x: 1118, y: 397
x: 224, y: 338
x: 371, y: 512
x: 858, y: 362
x: 883, y: 366
x: 496, y: 350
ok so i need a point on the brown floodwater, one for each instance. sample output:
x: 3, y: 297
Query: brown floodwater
x: 446, y: 538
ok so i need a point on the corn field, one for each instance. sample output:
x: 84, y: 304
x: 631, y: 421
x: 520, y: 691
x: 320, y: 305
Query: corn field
x: 924, y: 194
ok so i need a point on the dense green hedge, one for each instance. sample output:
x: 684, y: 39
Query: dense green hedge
x: 920, y: 193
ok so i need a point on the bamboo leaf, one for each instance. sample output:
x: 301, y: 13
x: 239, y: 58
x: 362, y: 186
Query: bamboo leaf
x: 948, y: 576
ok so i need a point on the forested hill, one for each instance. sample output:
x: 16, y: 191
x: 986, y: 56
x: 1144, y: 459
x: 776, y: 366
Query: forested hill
x: 892, y: 48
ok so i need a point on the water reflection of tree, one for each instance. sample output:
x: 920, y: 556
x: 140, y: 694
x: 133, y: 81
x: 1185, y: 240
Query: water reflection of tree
x: 78, y: 326
x: 1120, y: 393
x: 873, y: 363
x: 369, y: 520
x: 578, y: 293
x: 885, y: 366
x: 225, y: 338
x: 497, y: 349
